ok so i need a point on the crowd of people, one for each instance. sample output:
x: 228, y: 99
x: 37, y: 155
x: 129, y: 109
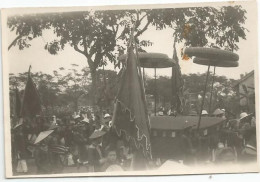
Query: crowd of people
x: 231, y: 141
x: 84, y: 141
x: 88, y: 143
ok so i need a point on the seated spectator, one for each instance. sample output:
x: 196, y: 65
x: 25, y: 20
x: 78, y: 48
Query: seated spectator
x: 111, y: 163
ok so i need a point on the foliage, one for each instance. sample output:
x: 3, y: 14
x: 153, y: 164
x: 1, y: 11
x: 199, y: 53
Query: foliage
x: 66, y: 89
x: 103, y: 35
x: 223, y: 94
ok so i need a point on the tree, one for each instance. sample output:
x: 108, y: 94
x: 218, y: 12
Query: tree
x: 101, y: 35
x: 107, y: 85
x: 204, y: 26
x: 93, y: 34
x: 73, y: 83
x: 46, y: 85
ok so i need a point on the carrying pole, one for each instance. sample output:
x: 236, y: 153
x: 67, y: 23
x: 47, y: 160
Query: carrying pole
x: 203, y: 98
x: 211, y: 91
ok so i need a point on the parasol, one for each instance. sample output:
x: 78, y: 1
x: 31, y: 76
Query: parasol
x: 211, y: 57
x: 215, y: 62
x: 152, y: 60
x: 43, y: 135
x: 211, y: 53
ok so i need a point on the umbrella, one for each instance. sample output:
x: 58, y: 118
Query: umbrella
x: 211, y: 57
x: 215, y: 62
x: 43, y: 135
x: 153, y: 60
x: 211, y: 53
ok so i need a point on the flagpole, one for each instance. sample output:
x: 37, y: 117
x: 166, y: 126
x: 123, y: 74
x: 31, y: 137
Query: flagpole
x: 29, y: 71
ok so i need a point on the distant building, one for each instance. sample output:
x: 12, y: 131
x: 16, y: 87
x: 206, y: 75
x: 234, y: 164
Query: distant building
x: 245, y: 89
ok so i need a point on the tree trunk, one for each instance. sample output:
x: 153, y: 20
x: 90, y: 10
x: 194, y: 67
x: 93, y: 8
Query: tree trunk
x: 93, y: 72
x: 94, y: 86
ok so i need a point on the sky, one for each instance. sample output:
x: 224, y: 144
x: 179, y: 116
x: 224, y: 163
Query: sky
x: 41, y: 60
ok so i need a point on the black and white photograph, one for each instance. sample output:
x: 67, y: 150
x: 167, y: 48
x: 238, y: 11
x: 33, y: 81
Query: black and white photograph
x: 163, y: 89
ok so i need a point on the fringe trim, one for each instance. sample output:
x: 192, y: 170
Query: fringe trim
x: 139, y: 138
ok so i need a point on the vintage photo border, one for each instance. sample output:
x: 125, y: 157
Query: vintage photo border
x: 7, y: 132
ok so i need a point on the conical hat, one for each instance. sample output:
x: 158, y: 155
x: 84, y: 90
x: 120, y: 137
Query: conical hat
x: 20, y: 122
x: 97, y: 134
x: 204, y: 112
x: 218, y: 111
x: 53, y: 126
x: 43, y: 135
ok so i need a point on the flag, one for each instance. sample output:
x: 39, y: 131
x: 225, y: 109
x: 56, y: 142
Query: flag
x: 130, y: 112
x: 17, y: 103
x: 177, y: 84
x: 31, y: 105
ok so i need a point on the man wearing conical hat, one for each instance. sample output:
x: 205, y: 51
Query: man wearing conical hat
x: 96, y: 150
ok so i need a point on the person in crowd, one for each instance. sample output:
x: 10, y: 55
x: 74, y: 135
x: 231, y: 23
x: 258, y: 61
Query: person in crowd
x: 204, y: 113
x: 111, y: 163
x: 172, y: 111
x: 81, y: 143
x: 42, y: 158
x: 56, y: 148
x: 96, y: 150
x: 123, y: 154
x: 20, y: 144
x: 224, y: 154
x: 186, y: 145
x: 249, y: 152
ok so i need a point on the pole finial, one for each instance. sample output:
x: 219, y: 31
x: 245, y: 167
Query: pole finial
x: 29, y: 71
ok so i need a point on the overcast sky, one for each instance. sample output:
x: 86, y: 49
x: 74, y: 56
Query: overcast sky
x: 162, y: 40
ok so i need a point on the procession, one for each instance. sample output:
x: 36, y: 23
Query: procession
x: 122, y: 112
x: 89, y: 141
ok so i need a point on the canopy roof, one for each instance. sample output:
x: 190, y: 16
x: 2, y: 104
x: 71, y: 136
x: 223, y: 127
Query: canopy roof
x: 215, y: 62
x: 152, y: 60
x: 182, y: 122
x: 211, y: 53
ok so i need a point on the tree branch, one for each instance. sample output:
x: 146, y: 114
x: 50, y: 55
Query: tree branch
x: 144, y: 29
x: 143, y: 17
x: 14, y: 41
x: 77, y: 49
